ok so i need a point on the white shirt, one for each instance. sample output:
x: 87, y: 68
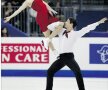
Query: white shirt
x: 52, y: 26
x: 66, y: 44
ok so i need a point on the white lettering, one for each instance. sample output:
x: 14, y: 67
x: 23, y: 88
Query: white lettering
x: 5, y: 57
x: 5, y: 48
x: 10, y: 48
x: 32, y: 48
x: 17, y: 57
x: 27, y: 58
x: 16, y: 48
x: 44, y: 57
x: 43, y: 49
x: 39, y: 49
x: 36, y: 58
x: 25, y: 48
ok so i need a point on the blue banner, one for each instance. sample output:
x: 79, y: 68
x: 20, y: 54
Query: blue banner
x: 98, y: 53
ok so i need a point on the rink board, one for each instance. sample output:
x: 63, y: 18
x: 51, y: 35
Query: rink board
x: 19, y: 60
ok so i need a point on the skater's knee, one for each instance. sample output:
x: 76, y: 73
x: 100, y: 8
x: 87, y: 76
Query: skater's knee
x: 77, y: 72
x: 50, y: 72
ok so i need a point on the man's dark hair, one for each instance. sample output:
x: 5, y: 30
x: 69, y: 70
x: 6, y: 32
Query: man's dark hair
x: 72, y: 20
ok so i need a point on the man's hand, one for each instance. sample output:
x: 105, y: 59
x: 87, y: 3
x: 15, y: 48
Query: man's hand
x: 103, y: 20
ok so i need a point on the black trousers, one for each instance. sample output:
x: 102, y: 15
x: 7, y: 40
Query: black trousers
x: 65, y: 59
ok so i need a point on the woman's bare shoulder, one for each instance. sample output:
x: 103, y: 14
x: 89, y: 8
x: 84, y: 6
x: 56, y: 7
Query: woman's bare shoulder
x: 29, y: 2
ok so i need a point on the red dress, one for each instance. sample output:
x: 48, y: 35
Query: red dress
x: 43, y: 17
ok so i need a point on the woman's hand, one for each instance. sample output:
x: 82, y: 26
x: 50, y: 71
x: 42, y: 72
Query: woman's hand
x: 103, y: 20
x: 53, y: 12
x: 50, y: 12
x: 7, y: 19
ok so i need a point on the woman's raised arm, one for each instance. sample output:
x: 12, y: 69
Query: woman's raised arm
x: 51, y: 11
x: 21, y: 8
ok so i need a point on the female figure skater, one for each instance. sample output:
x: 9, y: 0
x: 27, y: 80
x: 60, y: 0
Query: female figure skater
x: 44, y: 17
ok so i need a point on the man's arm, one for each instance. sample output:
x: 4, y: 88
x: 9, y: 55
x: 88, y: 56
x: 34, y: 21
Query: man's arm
x: 91, y: 27
x: 57, y: 30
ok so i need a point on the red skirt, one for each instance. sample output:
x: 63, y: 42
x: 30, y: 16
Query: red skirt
x: 44, y: 20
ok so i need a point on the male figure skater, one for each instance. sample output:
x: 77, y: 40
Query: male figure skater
x: 67, y: 38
